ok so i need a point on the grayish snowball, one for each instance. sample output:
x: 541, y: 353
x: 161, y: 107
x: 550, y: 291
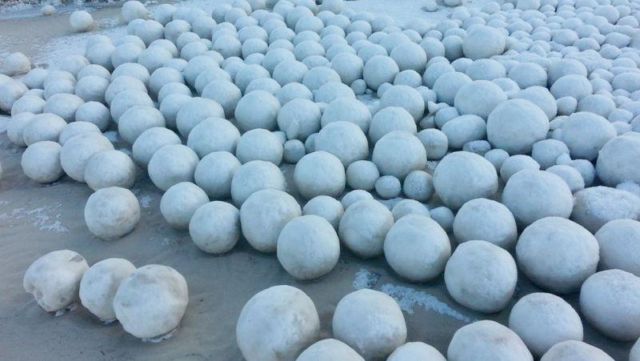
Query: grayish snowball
x: 215, y: 227
x: 319, y: 173
x: 41, y: 162
x: 398, y: 153
x: 515, y: 125
x: 111, y: 213
x: 110, y: 168
x: 330, y: 349
x: 326, y: 207
x: 595, y: 206
x: 573, y: 350
x: 172, y: 164
x: 487, y: 340
x: 619, y: 240
x: 99, y: 285
x: 179, y: 203
x: 363, y: 227
x: 77, y: 151
x: 487, y: 220
x: 150, y: 141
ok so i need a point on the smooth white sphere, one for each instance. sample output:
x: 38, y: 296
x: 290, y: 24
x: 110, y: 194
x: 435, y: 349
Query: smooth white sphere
x: 619, y: 240
x: 110, y: 168
x: 398, y: 153
x: 362, y: 174
x: 194, y: 111
x: 213, y: 135
x: 15, y: 64
x: 41, y: 162
x: 486, y: 220
x: 138, y: 119
x: 487, y: 340
x: 215, y: 227
x: 319, y: 173
x: 45, y: 126
x: 132, y: 10
x: 299, y: 118
x: 405, y: 97
x: 111, y: 213
x: 575, y: 351
x: 617, y: 160
x: 81, y: 21
x: 259, y: 144
x: 254, y: 176
x: 215, y: 172
x: 378, y: 70
x: 585, y: 134
x: 257, y: 109
x: 150, y: 141
x: 344, y: 140
x: 364, y: 226
x: 479, y: 97
x: 179, y: 203
x: 172, y: 164
x: 515, y: 125
x: 76, y: 152
x: 99, y: 285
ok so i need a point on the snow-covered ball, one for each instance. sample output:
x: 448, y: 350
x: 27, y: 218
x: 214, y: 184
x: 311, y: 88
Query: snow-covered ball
x: 487, y: 340
x: 412, y: 351
x: 257, y: 109
x: 41, y: 162
x: 481, y: 276
x: 92, y: 88
x: 418, y: 185
x: 573, y: 350
x: 486, y: 220
x: 215, y: 227
x: 212, y: 135
x: 299, y: 118
x: 127, y: 99
x: 572, y: 85
x: 179, y: 203
x: 617, y: 160
x: 364, y: 226
x: 515, y: 125
x: 76, y: 152
x: 15, y: 128
x: 619, y: 240
x: 398, y: 153
x: 362, y: 174
x: 596, y: 206
x: 409, y: 56
x: 319, y: 173
x: 224, y: 93
x: 570, y: 175
x: 345, y: 140
x: 378, y: 70
x: 291, y: 329
x: 194, y: 111
x: 483, y: 42
x: 15, y: 64
x: 10, y: 91
x: 349, y: 110
x: 543, y: 320
x: 406, y: 97
x: 111, y: 213
x: 54, y: 279
x: 81, y: 21
x: 132, y: 10
x: 479, y: 97
x: 172, y: 164
x: 151, y: 302
x: 215, y: 172
x: 463, y: 176
x: 585, y: 134
x: 330, y: 349
x: 110, y: 168
x: 533, y: 194
x: 448, y: 85
x: 516, y: 163
x: 388, y: 187
x: 254, y: 176
x: 259, y: 144
x: 137, y: 120
x: 326, y: 207
x: 100, y: 283
x: 45, y: 126
x: 29, y: 104
x: 417, y: 248
x: 371, y: 322
x: 610, y: 301
x: 152, y: 139
x: 348, y: 66
x: 435, y: 142
x: 557, y: 254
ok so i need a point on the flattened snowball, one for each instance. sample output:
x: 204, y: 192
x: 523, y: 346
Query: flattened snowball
x: 543, y: 320
x: 76, y: 152
x: 345, y: 140
x: 412, y: 351
x: 326, y: 207
x: 15, y: 63
x: 215, y: 172
x: 575, y: 351
x: 532, y: 194
x: 308, y: 247
x: 319, y: 173
x: 483, y: 42
x: 150, y: 141
x: 610, y: 301
x: 81, y: 21
x: 481, y: 276
x: 378, y: 70
x: 172, y: 164
x: 41, y: 162
x: 463, y: 176
x: 417, y: 248
x: 487, y: 340
x: 152, y: 301
x: 486, y: 220
x: 515, y: 125
x: 370, y: 322
x: 406, y: 97
x: 479, y: 97
x: 264, y: 214
x: 557, y: 254
x: 364, y: 226
x: 179, y: 203
x: 618, y: 160
x: 398, y: 153
x: 213, y: 135
x: 619, y: 242
x: 54, y: 279
x: 330, y: 349
x: 99, y: 285
x: 111, y: 213
x: 110, y: 168
x: 596, y: 206
x: 257, y: 109
x: 215, y: 227
x: 267, y: 331
x: 254, y: 176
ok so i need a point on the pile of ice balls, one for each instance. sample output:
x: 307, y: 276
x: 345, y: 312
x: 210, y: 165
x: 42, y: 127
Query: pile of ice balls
x: 511, y: 127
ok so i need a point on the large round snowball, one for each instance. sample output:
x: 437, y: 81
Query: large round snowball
x: 481, y: 276
x: 483, y: 42
x: 110, y: 168
x: 417, y: 248
x: 463, y: 176
x: 319, y: 173
x: 213, y: 135
x: 308, y: 247
x: 260, y: 144
x: 77, y: 151
x: 289, y: 316
x: 543, y: 320
x: 299, y: 118
x: 151, y: 302
x: 345, y: 140
x: 595, y: 206
x: 45, y: 126
x: 486, y: 220
x: 398, y: 153
x: 172, y: 164
x: 264, y: 214
x: 364, y: 226
x: 619, y: 242
x: 254, y: 176
x: 41, y: 162
x: 515, y: 125
x: 533, y: 194
x: 194, y: 112
x: 330, y: 349
x: 487, y: 340
x: 371, y: 322
x: 138, y: 119
x: 348, y: 110
x: 111, y: 213
x: 610, y: 301
x: 378, y: 70
x: 405, y: 97
x: 99, y: 285
x: 150, y: 141
x: 81, y: 21
x: 557, y: 254
x: 479, y: 97
x: 54, y: 279
x: 15, y: 63
x: 215, y: 227
x: 412, y: 351
x: 180, y: 202
x: 257, y: 109
x: 619, y: 160
x: 585, y: 134
x: 573, y: 350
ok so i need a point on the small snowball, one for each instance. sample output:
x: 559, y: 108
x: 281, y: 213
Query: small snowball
x: 77, y: 151
x: 418, y: 185
x: 344, y: 140
x: 364, y: 226
x: 326, y: 207
x: 81, y: 21
x: 362, y: 174
x: 299, y: 118
x: 254, y: 176
x: 435, y: 142
x: 487, y: 340
x: 388, y: 187
x: 99, y: 285
x: 212, y: 135
x: 41, y: 162
x: 138, y: 119
x: 111, y: 213
x: 15, y: 64
x: 569, y: 175
x: 257, y: 109
x: 348, y: 110
x: 48, y: 10
x: 516, y: 163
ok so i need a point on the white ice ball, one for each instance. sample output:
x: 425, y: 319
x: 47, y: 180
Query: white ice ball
x: 326, y: 207
x: 484, y: 42
x: 515, y: 125
x: 364, y: 226
x: 213, y: 135
x: 617, y: 160
x: 405, y: 97
x: 179, y: 203
x: 99, y: 285
x: 132, y: 10
x: 319, y: 173
x: 619, y: 240
x: 150, y: 141
x: 48, y: 10
x: 486, y: 220
x: 398, y: 153
x: 487, y: 340
x: 412, y: 351
x: 299, y: 118
x: 254, y: 176
x: 41, y: 162
x: 215, y: 227
x: 585, y: 134
x: 110, y: 168
x: 10, y: 91
x: 81, y: 21
x: 595, y: 206
x: 111, y: 213
x: 214, y: 174
x: 138, y: 119
x: 194, y: 111
x: 72, y: 129
x: 378, y: 70
x: 76, y: 152
x: 575, y: 351
x: 172, y: 164
x: 45, y: 126
x: 15, y: 64
x: 257, y: 109
x: 345, y: 140
x: 479, y: 97
x: 330, y: 349
x: 260, y: 144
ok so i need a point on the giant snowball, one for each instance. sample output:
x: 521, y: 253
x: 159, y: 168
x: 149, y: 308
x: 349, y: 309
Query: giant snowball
x: 215, y: 227
x: 483, y: 42
x: 619, y: 242
x: 319, y: 173
x: 172, y: 164
x: 179, y: 203
x: 515, y: 125
x: 463, y: 176
x: 54, y: 279
x: 110, y: 168
x: 398, y: 153
x: 41, y: 162
x: 99, y: 285
x: 487, y: 340
x: 112, y: 212
x: 364, y: 226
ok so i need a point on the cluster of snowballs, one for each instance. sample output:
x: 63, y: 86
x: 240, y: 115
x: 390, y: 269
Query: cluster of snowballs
x: 149, y: 301
x: 511, y: 127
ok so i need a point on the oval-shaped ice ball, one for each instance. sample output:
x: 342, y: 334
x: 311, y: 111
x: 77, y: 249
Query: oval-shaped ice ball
x: 575, y: 351
x: 254, y: 176
x: 585, y: 134
x: 45, y: 126
x: 215, y: 227
x: 619, y: 241
x: 618, y: 160
x: 557, y: 254
x: 172, y: 164
x: 110, y: 168
x: 41, y: 162
x: 77, y: 151
x: 610, y: 301
x: 543, y: 320
x: 533, y: 194
x: 417, y: 248
x: 15, y: 64
x: 364, y: 226
x: 54, y: 279
x: 486, y: 220
x: 371, y: 322
x: 515, y: 125
x: 463, y: 176
x: 413, y: 351
x: 481, y: 276
x: 595, y: 206
x: 483, y: 42
x: 179, y: 203
x: 151, y: 302
x: 81, y: 21
x: 267, y: 331
x: 319, y: 173
x: 480, y: 97
x: 111, y: 213
x: 487, y: 340
x: 331, y: 349
x: 308, y: 247
x: 99, y: 285
x: 398, y: 153
x: 264, y: 214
